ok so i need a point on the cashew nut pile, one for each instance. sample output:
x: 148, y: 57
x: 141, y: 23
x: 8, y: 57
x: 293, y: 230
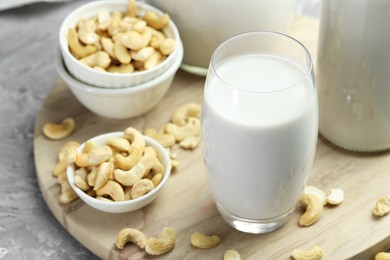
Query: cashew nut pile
x: 67, y: 194
x: 59, y: 131
x: 183, y: 129
x: 124, y: 168
x: 314, y: 200
x: 153, y: 246
x: 121, y: 42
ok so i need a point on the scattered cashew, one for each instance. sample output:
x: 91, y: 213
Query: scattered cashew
x: 335, y: 197
x: 184, y: 112
x: 316, y: 191
x: 60, y: 168
x: 112, y: 189
x: 71, y: 154
x: 62, y: 152
x: 166, y: 140
x: 156, y: 21
x: 202, y: 241
x: 314, y: 206
x: 130, y: 235
x: 231, y: 255
x: 191, y: 128
x: 59, y: 131
x: 382, y: 256
x: 75, y: 46
x: 382, y: 206
x: 67, y: 194
x: 141, y: 188
x: 163, y: 244
x: 315, y: 253
x: 190, y: 143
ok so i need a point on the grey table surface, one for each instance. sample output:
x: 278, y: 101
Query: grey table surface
x: 28, y: 40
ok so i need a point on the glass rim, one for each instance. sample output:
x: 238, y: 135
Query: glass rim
x: 308, y: 70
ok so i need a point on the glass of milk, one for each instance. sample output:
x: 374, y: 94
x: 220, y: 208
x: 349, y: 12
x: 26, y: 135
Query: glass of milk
x: 259, y: 128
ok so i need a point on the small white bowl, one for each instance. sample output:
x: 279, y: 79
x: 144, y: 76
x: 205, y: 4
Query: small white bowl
x: 129, y: 205
x: 121, y: 103
x: 106, y: 79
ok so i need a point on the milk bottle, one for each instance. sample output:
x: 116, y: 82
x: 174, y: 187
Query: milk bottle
x: 354, y: 74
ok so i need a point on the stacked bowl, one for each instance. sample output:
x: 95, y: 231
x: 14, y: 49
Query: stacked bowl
x: 112, y: 94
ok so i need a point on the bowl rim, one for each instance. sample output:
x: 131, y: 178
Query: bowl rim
x: 64, y: 47
x: 84, y: 87
x: 100, y: 203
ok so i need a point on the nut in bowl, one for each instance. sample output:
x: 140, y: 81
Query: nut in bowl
x: 108, y: 178
x: 116, y: 43
x: 121, y: 103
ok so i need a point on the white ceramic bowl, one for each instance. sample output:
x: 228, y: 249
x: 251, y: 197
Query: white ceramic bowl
x: 129, y: 205
x: 121, y: 103
x: 107, y: 79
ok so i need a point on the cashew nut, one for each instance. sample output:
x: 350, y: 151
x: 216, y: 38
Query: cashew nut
x: 202, y: 241
x: 141, y: 188
x: 60, y: 168
x: 130, y: 177
x: 382, y: 256
x: 103, y: 19
x: 82, y: 160
x: 81, y: 183
x: 103, y: 174
x: 142, y: 54
x: 191, y: 128
x: 86, y: 31
x: 155, y: 21
x: 67, y: 193
x: 76, y: 48
x: 120, y: 50
x: 119, y: 144
x: 88, y: 146
x: 157, y: 179
x: 166, y: 140
x: 163, y: 244
x: 71, y: 154
x: 190, y: 143
x: 335, y: 197
x: 382, y: 207
x: 99, y: 59
x: 108, y: 46
x: 184, y: 112
x: 315, y: 253
x: 314, y: 206
x: 130, y: 235
x: 59, y: 131
x: 154, y: 59
x: 231, y: 255
x: 99, y: 154
x: 112, y: 189
x: 62, y: 152
x: 316, y: 191
x: 137, y: 147
x: 167, y: 46
x: 132, y: 8
x: 133, y: 40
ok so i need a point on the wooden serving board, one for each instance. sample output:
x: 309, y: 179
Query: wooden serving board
x: 185, y: 204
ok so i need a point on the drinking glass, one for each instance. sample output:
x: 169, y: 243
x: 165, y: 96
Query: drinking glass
x: 259, y: 128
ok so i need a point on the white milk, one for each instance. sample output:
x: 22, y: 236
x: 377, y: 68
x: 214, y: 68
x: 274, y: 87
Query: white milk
x: 259, y: 147
x: 353, y: 74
